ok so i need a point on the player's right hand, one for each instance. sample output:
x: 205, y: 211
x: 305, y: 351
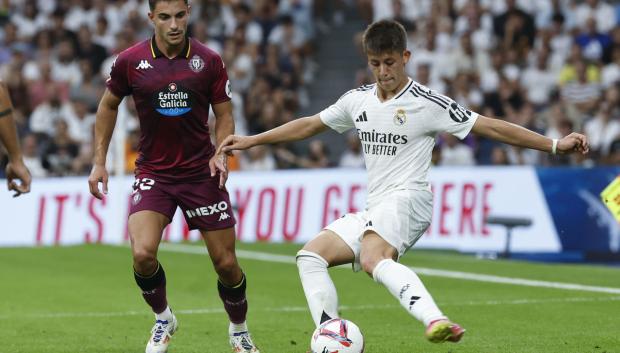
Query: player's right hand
x: 234, y: 142
x: 98, y: 175
x: 18, y: 171
x: 573, y: 143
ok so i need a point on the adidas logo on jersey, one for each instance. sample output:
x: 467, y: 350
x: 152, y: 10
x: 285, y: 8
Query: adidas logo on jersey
x: 361, y: 118
x: 143, y: 65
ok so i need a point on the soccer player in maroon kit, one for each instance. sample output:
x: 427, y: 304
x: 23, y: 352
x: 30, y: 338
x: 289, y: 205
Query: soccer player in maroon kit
x: 174, y: 80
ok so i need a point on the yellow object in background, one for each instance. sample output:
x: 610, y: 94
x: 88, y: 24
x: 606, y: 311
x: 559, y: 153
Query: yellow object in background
x: 611, y: 197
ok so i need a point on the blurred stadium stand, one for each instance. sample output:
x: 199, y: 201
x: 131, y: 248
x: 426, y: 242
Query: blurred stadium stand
x: 550, y: 65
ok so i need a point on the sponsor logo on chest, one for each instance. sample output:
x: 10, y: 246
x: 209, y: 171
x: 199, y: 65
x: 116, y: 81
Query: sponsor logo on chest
x: 172, y: 101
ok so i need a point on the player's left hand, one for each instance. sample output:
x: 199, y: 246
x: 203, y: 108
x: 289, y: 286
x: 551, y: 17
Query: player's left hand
x: 18, y: 171
x: 219, y: 164
x: 573, y: 143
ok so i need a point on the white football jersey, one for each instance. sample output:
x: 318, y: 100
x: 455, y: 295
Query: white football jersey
x: 397, y: 135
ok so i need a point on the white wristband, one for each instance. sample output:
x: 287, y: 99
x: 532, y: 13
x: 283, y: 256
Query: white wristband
x: 554, y: 146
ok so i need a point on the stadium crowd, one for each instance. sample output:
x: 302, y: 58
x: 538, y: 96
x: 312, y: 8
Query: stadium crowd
x: 550, y: 65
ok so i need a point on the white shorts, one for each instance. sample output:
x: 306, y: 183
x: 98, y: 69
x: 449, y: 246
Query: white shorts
x: 400, y: 219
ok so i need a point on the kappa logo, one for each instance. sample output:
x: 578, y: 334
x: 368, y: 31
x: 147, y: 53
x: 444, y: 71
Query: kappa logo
x: 223, y: 216
x: 143, y: 65
x: 209, y: 210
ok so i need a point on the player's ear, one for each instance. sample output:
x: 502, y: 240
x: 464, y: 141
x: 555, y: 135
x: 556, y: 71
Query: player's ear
x: 406, y: 56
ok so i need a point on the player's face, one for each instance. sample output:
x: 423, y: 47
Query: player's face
x: 389, y: 69
x: 170, y: 19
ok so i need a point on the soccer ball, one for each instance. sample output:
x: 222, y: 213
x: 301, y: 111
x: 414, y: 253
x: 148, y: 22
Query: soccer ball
x: 337, y: 336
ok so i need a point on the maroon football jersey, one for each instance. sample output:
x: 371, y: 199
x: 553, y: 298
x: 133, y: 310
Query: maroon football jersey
x: 172, y: 98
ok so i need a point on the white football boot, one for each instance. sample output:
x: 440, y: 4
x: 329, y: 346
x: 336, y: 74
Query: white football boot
x: 241, y: 342
x: 161, y: 334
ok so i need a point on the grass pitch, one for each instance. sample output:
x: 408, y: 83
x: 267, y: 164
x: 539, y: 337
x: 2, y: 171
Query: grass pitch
x: 84, y: 299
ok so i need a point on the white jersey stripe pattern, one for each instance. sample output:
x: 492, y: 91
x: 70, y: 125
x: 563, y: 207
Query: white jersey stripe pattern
x: 397, y: 135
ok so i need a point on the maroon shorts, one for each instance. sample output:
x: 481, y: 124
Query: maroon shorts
x: 204, y: 205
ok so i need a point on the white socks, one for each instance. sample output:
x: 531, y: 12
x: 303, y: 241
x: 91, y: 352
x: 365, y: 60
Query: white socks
x: 165, y: 315
x: 236, y: 328
x: 406, y: 286
x: 318, y: 286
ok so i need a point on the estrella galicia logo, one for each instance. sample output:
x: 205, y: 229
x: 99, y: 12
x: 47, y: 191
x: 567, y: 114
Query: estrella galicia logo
x: 173, y: 101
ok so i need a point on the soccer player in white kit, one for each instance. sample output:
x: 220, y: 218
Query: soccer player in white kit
x: 396, y: 120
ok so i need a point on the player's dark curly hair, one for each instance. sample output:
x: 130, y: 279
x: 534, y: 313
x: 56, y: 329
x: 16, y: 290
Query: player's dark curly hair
x: 152, y: 3
x: 385, y: 36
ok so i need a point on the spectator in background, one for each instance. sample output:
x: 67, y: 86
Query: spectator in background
x: 317, y: 157
x: 64, y: 65
x: 602, y: 129
x: 352, y: 156
x: 610, y: 74
x: 80, y: 121
x: 41, y: 82
x: 601, y: 11
x: 581, y: 93
x: 61, y: 151
x: 89, y: 50
x: 257, y: 158
x: 8, y: 40
x: 102, y: 35
x: 499, y: 156
x: 58, y: 29
x: 32, y: 157
x: 44, y: 117
x: 538, y: 81
x: 613, y: 158
x: 29, y: 21
x: 515, y: 28
x: 593, y: 43
x: 568, y: 71
x: 90, y: 89
x: 423, y: 76
x: 455, y: 153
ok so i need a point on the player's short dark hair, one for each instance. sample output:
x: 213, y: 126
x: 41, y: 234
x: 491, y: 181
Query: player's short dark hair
x: 385, y: 36
x: 152, y: 3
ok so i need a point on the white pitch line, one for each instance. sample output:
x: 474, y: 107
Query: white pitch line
x: 262, y: 256
x: 288, y: 309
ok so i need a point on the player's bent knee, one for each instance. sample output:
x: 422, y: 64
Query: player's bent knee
x: 144, y: 261
x: 225, y: 265
x: 308, y: 261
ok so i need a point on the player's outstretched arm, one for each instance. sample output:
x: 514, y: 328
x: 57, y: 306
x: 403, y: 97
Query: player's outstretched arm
x: 15, y: 169
x: 104, y: 127
x: 295, y: 130
x: 516, y: 135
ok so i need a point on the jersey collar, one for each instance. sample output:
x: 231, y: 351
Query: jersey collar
x: 158, y: 54
x: 397, y: 95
